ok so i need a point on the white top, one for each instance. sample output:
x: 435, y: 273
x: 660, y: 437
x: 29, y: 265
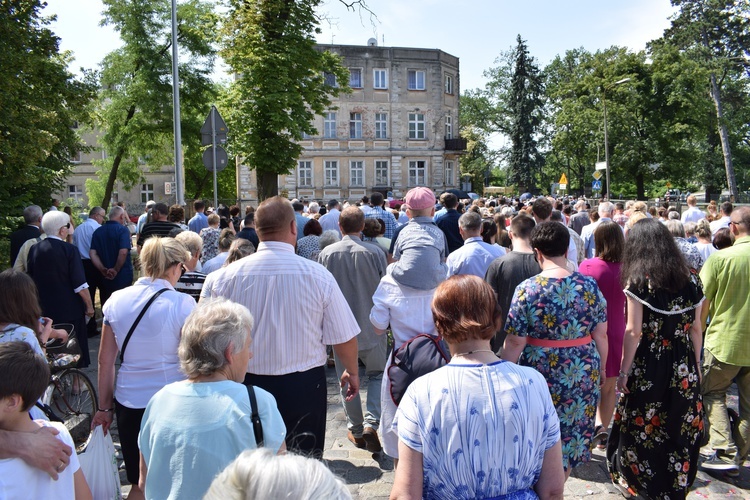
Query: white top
x: 191, y: 431
x: 13, y: 331
x: 474, y: 257
x: 719, y: 224
x: 291, y: 329
x: 151, y: 356
x: 692, y: 214
x: 705, y: 249
x: 215, y: 264
x: 330, y: 221
x: 482, y: 429
x: 82, y: 236
x: 406, y: 309
x: 19, y: 480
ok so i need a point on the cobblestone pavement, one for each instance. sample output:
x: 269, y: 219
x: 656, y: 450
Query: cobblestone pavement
x: 370, y: 476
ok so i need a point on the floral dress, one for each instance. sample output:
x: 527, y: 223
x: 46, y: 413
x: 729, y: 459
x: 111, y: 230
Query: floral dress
x: 210, y: 237
x: 655, y: 441
x: 563, y: 309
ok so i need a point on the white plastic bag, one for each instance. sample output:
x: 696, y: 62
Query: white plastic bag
x: 99, y: 466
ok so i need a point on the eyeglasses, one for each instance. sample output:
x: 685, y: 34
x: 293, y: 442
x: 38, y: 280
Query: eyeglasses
x: 735, y: 223
x: 67, y: 226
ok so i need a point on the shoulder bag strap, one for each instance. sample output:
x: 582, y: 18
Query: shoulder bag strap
x: 255, y: 417
x: 138, y: 320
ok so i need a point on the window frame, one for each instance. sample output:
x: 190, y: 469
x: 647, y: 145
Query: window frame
x: 146, y: 192
x: 381, y: 165
x: 417, y: 126
x: 416, y: 84
x: 329, y: 122
x: 375, y: 79
x: 381, y: 125
x: 331, y: 166
x: 449, y: 172
x: 448, y: 127
x: 415, y: 165
x: 307, y: 180
x: 330, y: 79
x: 449, y: 84
x: 355, y: 125
x: 75, y: 191
x: 360, y: 173
x: 361, y: 79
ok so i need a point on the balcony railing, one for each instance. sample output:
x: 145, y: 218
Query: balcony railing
x: 456, y: 144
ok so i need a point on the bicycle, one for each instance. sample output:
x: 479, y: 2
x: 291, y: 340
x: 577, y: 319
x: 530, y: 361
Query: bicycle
x: 70, y: 397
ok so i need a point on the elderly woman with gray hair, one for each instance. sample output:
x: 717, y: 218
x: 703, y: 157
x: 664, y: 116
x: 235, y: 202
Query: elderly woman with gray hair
x: 193, y: 429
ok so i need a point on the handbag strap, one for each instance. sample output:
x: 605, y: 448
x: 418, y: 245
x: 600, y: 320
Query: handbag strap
x: 138, y: 320
x: 255, y: 417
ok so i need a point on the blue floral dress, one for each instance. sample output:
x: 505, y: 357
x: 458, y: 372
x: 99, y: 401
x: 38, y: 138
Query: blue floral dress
x: 563, y: 309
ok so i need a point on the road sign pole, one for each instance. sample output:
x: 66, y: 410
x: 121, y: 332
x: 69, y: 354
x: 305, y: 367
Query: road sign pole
x: 180, y: 194
x: 213, y: 144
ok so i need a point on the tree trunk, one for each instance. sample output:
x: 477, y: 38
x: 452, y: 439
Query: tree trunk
x: 640, y: 187
x: 116, y: 165
x: 724, y: 136
x: 268, y: 185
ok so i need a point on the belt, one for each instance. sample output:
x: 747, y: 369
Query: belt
x: 558, y: 343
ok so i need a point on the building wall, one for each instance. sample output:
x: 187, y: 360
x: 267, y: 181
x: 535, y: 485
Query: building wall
x: 434, y: 101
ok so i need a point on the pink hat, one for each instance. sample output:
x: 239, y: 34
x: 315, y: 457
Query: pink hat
x: 420, y: 198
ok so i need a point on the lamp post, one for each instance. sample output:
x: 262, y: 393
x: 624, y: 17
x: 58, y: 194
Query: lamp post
x: 606, y: 137
x: 179, y: 184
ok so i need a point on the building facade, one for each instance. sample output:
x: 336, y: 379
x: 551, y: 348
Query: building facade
x: 397, y: 129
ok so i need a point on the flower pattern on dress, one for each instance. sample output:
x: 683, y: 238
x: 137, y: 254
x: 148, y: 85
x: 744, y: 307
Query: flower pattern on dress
x: 655, y: 441
x: 563, y: 309
x: 210, y: 237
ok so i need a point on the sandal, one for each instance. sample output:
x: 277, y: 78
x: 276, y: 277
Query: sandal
x: 600, y: 437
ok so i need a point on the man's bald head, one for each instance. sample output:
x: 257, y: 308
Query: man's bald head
x: 273, y: 219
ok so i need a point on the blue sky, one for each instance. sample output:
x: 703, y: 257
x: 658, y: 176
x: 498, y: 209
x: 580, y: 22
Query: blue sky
x: 476, y: 31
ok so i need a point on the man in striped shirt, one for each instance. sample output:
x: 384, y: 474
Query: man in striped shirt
x: 291, y: 332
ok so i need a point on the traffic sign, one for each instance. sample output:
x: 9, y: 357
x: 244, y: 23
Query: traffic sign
x: 221, y: 128
x: 562, y: 187
x: 596, y: 185
x: 563, y: 180
x: 601, y: 165
x: 597, y: 175
x: 221, y: 159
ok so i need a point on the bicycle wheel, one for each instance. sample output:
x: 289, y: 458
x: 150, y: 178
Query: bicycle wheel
x: 72, y: 397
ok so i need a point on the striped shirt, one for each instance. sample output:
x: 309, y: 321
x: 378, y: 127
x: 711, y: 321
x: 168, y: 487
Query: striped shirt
x: 291, y: 331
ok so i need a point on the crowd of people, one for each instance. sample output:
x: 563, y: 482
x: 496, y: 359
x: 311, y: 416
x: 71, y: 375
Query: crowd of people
x: 568, y: 329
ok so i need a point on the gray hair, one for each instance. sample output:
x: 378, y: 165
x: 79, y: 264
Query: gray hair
x: 605, y: 207
x: 53, y: 221
x: 470, y: 221
x: 192, y: 241
x: 507, y: 212
x: 689, y: 228
x: 313, y: 208
x: 32, y: 214
x: 676, y: 229
x: 261, y: 473
x: 328, y: 238
x: 114, y: 212
x: 673, y: 215
x: 214, y: 326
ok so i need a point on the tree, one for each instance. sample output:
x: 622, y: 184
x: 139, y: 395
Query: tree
x: 525, y: 115
x: 716, y: 33
x: 282, y: 82
x: 40, y: 104
x: 135, y: 101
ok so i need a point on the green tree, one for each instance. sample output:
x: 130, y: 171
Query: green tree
x: 134, y: 110
x: 524, y: 105
x: 40, y: 103
x: 282, y: 82
x: 716, y: 34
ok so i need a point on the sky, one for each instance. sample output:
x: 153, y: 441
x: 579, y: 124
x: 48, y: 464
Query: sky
x: 476, y: 31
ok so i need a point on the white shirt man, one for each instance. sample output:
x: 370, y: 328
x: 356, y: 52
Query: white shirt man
x: 693, y: 213
x: 330, y: 220
x: 606, y: 209
x: 475, y: 256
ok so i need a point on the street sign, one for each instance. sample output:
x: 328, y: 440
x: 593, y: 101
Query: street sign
x: 601, y: 165
x: 596, y: 185
x: 563, y: 180
x: 169, y: 187
x: 221, y: 159
x: 221, y: 128
x: 597, y: 175
x: 562, y: 187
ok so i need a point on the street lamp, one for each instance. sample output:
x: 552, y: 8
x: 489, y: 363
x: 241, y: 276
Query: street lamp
x: 606, y: 138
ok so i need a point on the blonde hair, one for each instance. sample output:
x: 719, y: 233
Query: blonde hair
x: 261, y: 474
x: 213, y: 219
x: 159, y: 254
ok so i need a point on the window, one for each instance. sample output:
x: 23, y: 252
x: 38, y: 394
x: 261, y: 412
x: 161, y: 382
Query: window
x: 304, y: 175
x: 448, y: 127
x: 355, y: 125
x: 355, y: 78
x: 381, y: 173
x: 147, y: 193
x: 76, y: 157
x: 75, y: 192
x: 381, y: 125
x: 329, y: 125
x: 448, y: 84
x: 330, y: 79
x: 417, y: 173
x: 448, y: 173
x: 416, y: 126
x: 331, y: 171
x: 356, y: 173
x: 416, y: 80
x: 380, y: 79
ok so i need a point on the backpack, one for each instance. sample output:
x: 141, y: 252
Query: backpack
x: 417, y: 356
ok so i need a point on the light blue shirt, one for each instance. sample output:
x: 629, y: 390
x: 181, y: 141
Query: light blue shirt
x: 474, y: 257
x: 215, y: 264
x: 82, y: 236
x: 197, y: 222
x: 192, y: 431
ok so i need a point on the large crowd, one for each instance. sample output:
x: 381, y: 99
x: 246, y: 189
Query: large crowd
x: 569, y: 328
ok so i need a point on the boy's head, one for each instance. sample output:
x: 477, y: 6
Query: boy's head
x: 22, y: 372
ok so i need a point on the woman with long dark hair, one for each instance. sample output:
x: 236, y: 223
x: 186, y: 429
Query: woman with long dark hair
x: 654, y: 445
